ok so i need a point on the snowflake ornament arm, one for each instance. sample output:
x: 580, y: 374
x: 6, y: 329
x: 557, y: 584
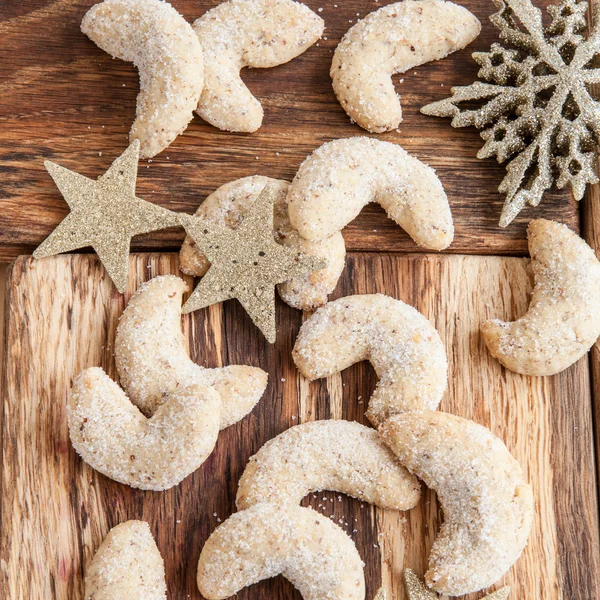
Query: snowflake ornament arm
x: 535, y: 108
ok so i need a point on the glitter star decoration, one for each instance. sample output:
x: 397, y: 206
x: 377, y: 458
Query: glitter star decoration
x: 416, y: 589
x: 105, y: 214
x: 536, y: 108
x: 246, y: 263
x: 380, y: 594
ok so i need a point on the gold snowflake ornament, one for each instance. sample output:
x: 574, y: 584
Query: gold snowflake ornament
x: 535, y: 106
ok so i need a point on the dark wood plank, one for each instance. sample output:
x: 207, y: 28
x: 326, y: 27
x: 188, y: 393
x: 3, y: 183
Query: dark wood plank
x: 55, y: 510
x: 64, y: 99
x: 590, y: 218
x: 590, y: 230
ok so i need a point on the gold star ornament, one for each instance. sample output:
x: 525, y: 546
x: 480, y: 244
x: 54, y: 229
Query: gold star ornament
x: 416, y: 589
x: 105, y: 214
x: 246, y: 263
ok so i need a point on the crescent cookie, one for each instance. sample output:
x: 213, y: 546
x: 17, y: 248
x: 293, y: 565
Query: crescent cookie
x: 339, y: 178
x: 163, y: 46
x: 228, y: 206
x: 152, y: 359
x: 115, y: 438
x: 488, y: 505
x: 266, y: 540
x: 248, y: 33
x: 327, y: 455
x: 563, y: 319
x: 127, y: 566
x: 402, y: 345
x: 393, y: 39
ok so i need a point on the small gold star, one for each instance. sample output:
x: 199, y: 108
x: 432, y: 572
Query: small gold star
x: 380, y: 594
x: 105, y: 214
x: 246, y: 263
x: 416, y: 589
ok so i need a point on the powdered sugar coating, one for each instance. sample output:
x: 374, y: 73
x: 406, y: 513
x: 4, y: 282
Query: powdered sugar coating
x: 115, y: 438
x: 266, y: 540
x: 563, y: 319
x: 488, y: 505
x: 248, y: 33
x: 402, y: 345
x: 393, y: 39
x: 127, y: 565
x: 168, y: 55
x: 153, y: 362
x: 327, y: 455
x: 339, y: 178
x: 228, y: 206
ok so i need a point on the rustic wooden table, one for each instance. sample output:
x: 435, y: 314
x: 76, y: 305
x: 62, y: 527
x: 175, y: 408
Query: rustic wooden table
x: 2, y: 288
x: 64, y: 99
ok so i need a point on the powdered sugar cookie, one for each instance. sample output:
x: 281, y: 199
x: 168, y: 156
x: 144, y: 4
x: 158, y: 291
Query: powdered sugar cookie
x: 402, y: 345
x: 230, y: 203
x: 327, y: 455
x: 163, y: 46
x: 127, y: 565
x: 563, y: 319
x: 248, y: 33
x: 115, y: 438
x: 339, y: 178
x: 266, y: 540
x: 153, y: 362
x: 393, y: 39
x: 488, y: 505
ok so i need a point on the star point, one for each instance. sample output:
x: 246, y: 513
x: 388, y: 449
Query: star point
x: 417, y: 590
x: 246, y: 263
x: 105, y: 214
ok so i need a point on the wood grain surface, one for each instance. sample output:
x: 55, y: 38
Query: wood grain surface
x: 66, y: 100
x: 590, y: 222
x: 591, y: 232
x: 55, y: 510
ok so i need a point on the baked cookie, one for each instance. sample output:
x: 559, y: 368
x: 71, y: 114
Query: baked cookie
x: 327, y: 455
x: 266, y: 540
x: 339, y: 178
x: 153, y: 362
x: 393, y: 39
x: 115, y: 438
x: 248, y: 33
x: 127, y: 566
x: 228, y: 206
x: 163, y: 46
x: 402, y: 345
x: 563, y: 319
x: 488, y: 505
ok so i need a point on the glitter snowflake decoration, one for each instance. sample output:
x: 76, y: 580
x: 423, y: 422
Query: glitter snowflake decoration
x: 535, y: 106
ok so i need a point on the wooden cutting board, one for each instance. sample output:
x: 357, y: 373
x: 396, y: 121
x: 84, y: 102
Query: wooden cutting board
x: 61, y: 318
x: 66, y: 100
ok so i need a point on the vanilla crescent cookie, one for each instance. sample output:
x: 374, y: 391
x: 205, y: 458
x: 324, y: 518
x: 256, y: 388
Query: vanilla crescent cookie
x: 327, y: 455
x: 163, y: 46
x: 248, y: 33
x: 393, y: 39
x: 402, y: 345
x: 228, y: 206
x: 339, y: 178
x: 563, y: 319
x: 266, y: 540
x: 152, y: 359
x: 488, y: 505
x: 115, y: 438
x: 127, y: 566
